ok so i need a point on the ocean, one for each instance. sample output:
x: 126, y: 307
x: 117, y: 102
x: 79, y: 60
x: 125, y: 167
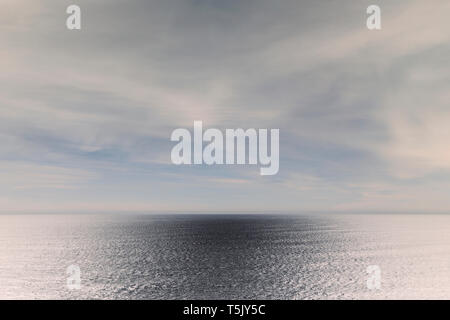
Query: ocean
x: 218, y: 256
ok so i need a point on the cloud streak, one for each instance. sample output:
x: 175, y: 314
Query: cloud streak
x: 87, y: 115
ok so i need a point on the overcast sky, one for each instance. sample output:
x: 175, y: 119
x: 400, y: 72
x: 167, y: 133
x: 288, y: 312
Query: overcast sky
x: 86, y: 116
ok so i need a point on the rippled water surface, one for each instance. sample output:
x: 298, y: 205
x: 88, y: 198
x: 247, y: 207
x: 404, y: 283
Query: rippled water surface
x: 320, y: 256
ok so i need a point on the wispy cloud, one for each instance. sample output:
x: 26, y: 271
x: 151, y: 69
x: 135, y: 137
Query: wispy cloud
x: 85, y: 117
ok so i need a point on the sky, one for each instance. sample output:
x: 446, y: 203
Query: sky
x: 86, y: 115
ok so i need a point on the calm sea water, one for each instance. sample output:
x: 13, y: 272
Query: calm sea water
x: 224, y: 256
